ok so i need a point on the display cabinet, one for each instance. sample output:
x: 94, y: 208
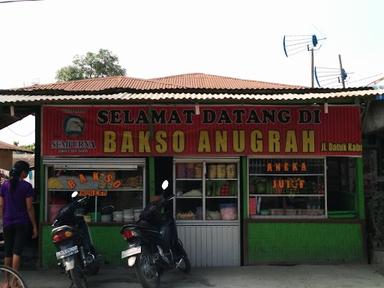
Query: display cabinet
x: 206, y: 190
x: 107, y: 182
x: 294, y: 187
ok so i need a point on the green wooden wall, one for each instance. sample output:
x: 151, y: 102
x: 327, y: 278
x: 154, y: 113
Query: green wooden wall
x: 107, y: 240
x: 304, y: 243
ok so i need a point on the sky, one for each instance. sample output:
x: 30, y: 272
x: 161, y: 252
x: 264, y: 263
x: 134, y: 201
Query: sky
x: 155, y: 38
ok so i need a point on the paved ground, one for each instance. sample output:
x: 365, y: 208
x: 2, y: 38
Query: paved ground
x: 300, y: 276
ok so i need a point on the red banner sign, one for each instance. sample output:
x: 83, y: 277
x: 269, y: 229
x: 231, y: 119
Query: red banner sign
x: 201, y: 130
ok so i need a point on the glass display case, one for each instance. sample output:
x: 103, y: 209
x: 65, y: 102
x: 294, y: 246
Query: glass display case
x: 287, y: 188
x: 106, y: 183
x: 206, y: 190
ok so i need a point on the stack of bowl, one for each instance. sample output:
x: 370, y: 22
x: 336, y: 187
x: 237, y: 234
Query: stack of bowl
x: 118, y: 216
x: 128, y: 215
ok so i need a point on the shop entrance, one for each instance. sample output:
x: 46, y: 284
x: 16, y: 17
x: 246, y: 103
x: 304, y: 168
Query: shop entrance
x: 206, y: 209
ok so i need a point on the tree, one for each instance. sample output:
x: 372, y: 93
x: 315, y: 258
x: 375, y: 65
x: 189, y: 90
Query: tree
x: 92, y: 65
x: 30, y: 147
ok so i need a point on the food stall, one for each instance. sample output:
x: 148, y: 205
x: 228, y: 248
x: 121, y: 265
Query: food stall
x: 252, y: 183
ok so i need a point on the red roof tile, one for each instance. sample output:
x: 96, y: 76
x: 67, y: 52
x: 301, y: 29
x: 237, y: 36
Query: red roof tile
x: 103, y: 83
x: 196, y: 81
x: 206, y: 81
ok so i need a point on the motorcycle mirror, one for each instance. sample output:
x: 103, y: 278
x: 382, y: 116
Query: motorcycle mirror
x: 74, y: 194
x: 165, y: 184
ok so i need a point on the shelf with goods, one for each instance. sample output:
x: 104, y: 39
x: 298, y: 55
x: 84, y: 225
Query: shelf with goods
x: 287, y: 188
x: 206, y: 191
x: 123, y: 189
x: 287, y: 206
x: 92, y: 189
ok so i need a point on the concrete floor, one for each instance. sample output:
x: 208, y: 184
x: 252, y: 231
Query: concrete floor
x: 299, y: 276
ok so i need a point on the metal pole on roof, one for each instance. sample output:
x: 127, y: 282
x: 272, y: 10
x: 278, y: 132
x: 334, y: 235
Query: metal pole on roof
x: 312, y: 68
x: 342, y: 72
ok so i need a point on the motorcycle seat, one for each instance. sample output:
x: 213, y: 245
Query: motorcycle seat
x: 61, y: 228
x: 141, y: 226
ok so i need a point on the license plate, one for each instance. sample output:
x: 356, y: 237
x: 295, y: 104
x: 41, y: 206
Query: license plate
x: 131, y: 251
x: 67, y: 252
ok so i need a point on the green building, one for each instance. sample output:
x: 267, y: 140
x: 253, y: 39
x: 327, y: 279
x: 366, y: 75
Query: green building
x: 262, y: 172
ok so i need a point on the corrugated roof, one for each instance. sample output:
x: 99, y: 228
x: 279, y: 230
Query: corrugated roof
x: 104, y: 83
x: 6, y: 146
x: 192, y: 81
x: 206, y: 81
x: 179, y: 97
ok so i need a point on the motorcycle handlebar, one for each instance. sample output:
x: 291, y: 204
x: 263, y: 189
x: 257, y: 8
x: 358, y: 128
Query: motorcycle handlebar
x: 83, y: 200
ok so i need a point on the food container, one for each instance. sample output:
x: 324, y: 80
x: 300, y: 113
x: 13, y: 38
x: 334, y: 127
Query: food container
x: 224, y: 189
x: 117, y: 216
x: 252, y: 205
x: 212, y: 171
x: 231, y: 170
x: 260, y: 186
x: 128, y: 213
x: 221, y: 171
x: 181, y: 170
x: 278, y: 211
x: 134, y: 181
x: 185, y: 215
x: 127, y: 218
x: 228, y: 211
x: 213, y: 215
x: 105, y: 218
x: 190, y: 170
x: 264, y: 212
x: 198, y: 170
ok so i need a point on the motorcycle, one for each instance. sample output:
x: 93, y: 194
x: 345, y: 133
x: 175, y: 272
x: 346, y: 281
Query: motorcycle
x: 153, y: 244
x: 75, y: 251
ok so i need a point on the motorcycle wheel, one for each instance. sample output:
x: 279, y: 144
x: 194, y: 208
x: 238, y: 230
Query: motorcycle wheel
x: 94, y: 267
x: 78, y: 278
x: 146, y: 270
x: 185, y: 264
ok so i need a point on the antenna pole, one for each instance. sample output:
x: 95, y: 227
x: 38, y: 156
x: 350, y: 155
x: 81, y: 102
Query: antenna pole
x: 312, y: 68
x: 341, y: 72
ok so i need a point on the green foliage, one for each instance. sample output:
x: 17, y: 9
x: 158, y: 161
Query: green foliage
x: 92, y: 65
x: 30, y: 147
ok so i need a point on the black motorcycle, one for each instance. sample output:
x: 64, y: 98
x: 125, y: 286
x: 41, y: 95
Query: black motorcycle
x: 75, y: 251
x: 153, y: 244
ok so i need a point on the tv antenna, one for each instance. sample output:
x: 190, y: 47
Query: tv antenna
x: 294, y: 44
x: 331, y: 76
